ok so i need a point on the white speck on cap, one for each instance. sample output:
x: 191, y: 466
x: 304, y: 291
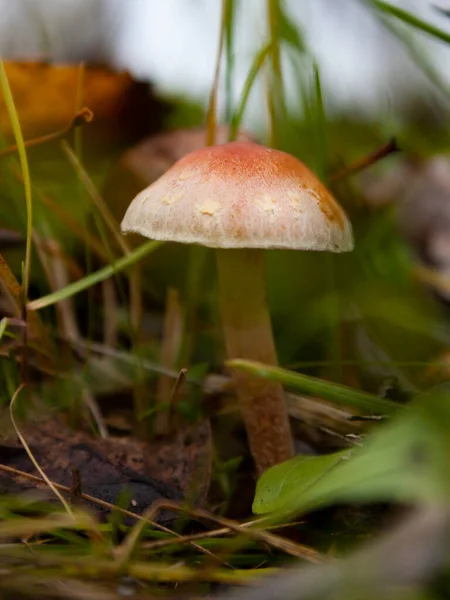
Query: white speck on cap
x: 241, y: 195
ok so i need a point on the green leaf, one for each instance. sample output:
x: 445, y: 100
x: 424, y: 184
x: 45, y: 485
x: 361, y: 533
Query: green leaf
x: 3, y: 326
x: 404, y: 461
x: 336, y: 393
x: 297, y: 474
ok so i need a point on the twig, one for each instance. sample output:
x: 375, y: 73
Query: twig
x: 367, y: 161
x: 82, y: 117
x: 203, y: 535
x: 75, y: 490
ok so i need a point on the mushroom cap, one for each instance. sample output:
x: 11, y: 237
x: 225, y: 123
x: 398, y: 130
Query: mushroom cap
x: 240, y: 195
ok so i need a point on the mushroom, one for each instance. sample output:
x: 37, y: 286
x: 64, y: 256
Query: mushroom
x: 241, y: 198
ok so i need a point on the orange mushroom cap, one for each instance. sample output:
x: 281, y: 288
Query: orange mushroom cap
x: 240, y: 195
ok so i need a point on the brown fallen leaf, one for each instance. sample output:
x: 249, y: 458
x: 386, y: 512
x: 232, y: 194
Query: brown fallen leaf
x: 45, y: 97
x: 107, y: 466
x: 183, y: 459
x: 11, y: 303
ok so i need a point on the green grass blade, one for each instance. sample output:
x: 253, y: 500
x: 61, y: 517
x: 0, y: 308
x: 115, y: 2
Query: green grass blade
x: 321, y: 126
x: 289, y: 32
x: 412, y: 20
x: 211, y: 117
x: 416, y: 53
x: 17, y: 130
x: 97, y: 200
x: 3, y: 326
x: 257, y: 64
x: 230, y: 13
x: 336, y: 393
x: 274, y: 78
x: 96, y: 277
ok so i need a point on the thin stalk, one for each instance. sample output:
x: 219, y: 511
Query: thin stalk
x: 274, y: 77
x: 255, y: 68
x: 320, y: 127
x: 212, y: 109
x: 30, y: 454
x: 366, y: 161
x: 248, y: 334
x: 229, y: 30
x: 15, y: 124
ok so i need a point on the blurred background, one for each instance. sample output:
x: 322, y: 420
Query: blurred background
x: 106, y: 95
x: 368, y: 63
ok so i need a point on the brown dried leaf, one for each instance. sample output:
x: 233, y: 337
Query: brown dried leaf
x: 45, y: 97
x: 106, y: 466
x: 184, y: 459
x: 11, y: 289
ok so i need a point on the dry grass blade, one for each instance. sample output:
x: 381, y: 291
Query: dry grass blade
x: 30, y: 454
x: 85, y: 567
x: 96, y: 198
x: 134, y: 277
x: 19, y: 528
x: 434, y: 278
x: 13, y: 291
x: 90, y: 402
x: 75, y: 227
x: 55, y: 269
x: 11, y: 287
x: 110, y: 314
x: 170, y: 351
x: 228, y: 525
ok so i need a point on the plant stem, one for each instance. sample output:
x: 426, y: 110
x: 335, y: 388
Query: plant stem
x: 248, y: 333
x: 211, y: 116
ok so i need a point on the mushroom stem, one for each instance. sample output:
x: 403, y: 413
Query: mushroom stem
x: 248, y: 334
